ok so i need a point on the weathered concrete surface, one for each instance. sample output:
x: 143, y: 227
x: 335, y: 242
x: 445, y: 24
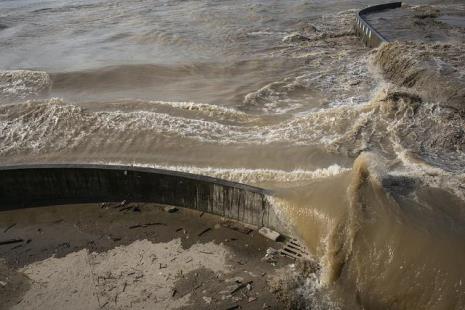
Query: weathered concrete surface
x: 370, y: 36
x: 40, y: 185
x: 268, y: 233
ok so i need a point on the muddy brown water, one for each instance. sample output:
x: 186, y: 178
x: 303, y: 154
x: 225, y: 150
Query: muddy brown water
x: 365, y: 149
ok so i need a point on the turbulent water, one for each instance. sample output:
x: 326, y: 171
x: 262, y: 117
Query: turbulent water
x: 365, y: 150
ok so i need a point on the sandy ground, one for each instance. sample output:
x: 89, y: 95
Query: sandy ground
x: 136, y: 256
x: 127, y: 277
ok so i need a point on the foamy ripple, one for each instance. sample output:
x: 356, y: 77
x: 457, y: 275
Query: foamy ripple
x: 21, y: 84
x: 36, y: 126
x: 204, y: 108
x: 248, y: 176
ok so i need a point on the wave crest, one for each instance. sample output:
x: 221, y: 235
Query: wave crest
x: 23, y: 84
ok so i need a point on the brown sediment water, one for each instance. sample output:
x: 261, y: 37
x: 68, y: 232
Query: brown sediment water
x: 384, y: 240
x: 363, y: 148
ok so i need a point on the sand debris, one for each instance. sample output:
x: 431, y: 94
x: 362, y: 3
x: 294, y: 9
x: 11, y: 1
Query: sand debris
x: 123, y: 278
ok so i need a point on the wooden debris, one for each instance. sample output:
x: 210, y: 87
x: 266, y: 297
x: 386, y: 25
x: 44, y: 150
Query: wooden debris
x: 146, y: 225
x: 241, y: 286
x: 237, y: 227
x: 233, y: 307
x: 11, y: 241
x: 120, y: 205
x: 204, y: 252
x: 204, y: 231
x: 9, y: 227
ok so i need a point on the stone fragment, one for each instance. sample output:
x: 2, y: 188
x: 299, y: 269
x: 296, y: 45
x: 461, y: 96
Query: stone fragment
x: 268, y: 233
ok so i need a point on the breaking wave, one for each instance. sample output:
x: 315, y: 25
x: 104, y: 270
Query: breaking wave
x: 250, y: 176
x: 391, y: 235
x: 435, y: 71
x: 388, y: 233
x: 18, y: 85
x: 204, y: 108
x: 35, y: 126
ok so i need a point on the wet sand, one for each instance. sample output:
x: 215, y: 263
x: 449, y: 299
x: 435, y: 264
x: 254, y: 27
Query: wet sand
x: 133, y: 256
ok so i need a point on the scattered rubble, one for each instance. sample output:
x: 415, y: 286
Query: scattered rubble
x: 127, y: 270
x: 288, y: 286
x: 170, y: 209
x: 237, y: 227
x: 271, y: 256
x: 268, y: 233
x: 241, y: 286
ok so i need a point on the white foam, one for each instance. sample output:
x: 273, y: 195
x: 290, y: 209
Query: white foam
x: 35, y: 126
x: 265, y: 33
x: 20, y: 84
x: 431, y: 175
x: 248, y: 176
x: 208, y: 109
x: 274, y: 97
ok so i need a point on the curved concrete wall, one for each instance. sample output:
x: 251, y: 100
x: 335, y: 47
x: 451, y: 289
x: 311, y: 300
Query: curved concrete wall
x: 369, y: 35
x: 41, y: 185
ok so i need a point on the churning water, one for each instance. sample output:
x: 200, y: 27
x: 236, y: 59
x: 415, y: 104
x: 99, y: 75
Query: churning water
x: 365, y: 149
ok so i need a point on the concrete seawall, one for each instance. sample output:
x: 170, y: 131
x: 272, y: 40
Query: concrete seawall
x: 369, y: 35
x: 40, y: 185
